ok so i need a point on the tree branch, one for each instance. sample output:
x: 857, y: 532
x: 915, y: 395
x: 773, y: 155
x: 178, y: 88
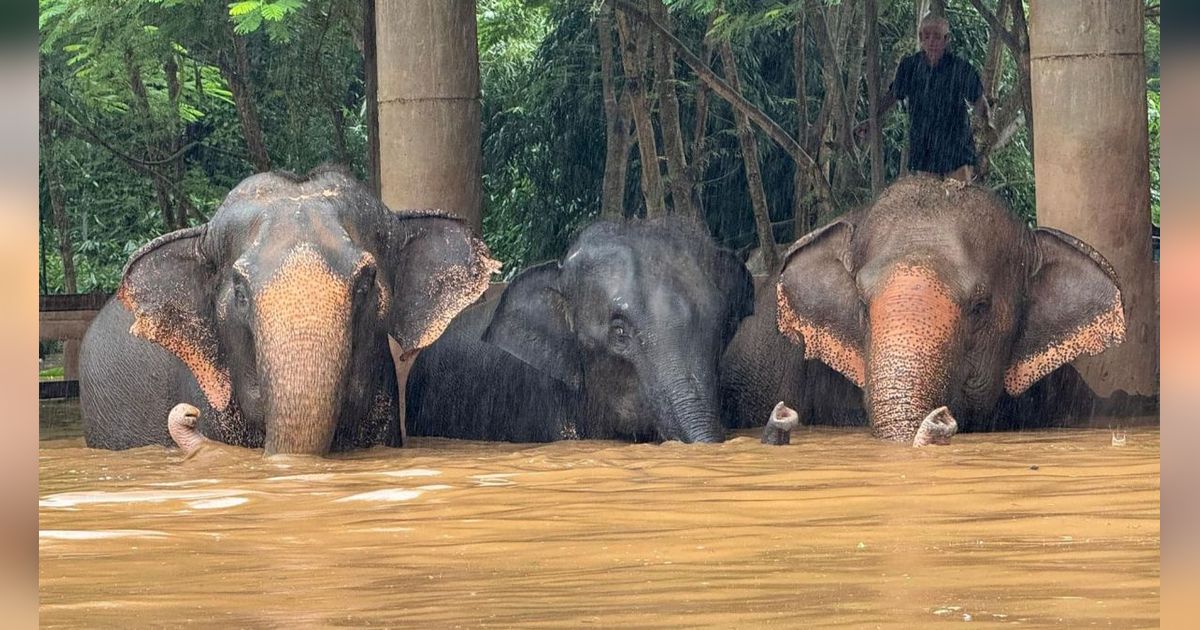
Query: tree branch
x: 996, y: 27
x: 764, y: 122
x: 776, y: 133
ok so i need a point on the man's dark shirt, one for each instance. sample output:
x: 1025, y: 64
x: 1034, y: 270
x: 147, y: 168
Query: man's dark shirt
x: 939, y: 133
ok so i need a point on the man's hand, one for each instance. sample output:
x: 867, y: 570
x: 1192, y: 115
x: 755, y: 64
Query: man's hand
x: 985, y: 134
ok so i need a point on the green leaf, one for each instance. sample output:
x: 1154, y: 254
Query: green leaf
x: 273, y: 12
x: 237, y: 9
x: 248, y: 23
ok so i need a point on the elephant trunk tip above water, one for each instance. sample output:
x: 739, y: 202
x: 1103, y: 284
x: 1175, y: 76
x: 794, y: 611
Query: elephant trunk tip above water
x: 181, y: 424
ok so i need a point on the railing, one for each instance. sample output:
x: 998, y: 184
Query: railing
x: 66, y: 318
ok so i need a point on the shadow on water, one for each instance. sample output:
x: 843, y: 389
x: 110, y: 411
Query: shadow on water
x: 1054, y: 527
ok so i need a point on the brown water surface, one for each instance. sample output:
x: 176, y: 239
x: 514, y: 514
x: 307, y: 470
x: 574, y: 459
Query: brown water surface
x: 1054, y: 528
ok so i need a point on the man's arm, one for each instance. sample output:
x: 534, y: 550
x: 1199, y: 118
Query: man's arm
x: 886, y: 103
x: 981, y: 108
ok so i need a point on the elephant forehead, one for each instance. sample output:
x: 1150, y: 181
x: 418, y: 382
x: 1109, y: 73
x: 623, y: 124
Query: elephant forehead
x: 305, y: 287
x: 917, y: 309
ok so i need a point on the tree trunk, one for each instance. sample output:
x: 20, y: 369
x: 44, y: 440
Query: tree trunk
x: 1024, y: 71
x: 699, y: 154
x: 772, y: 129
x: 990, y: 73
x: 62, y: 222
x: 931, y: 7
x: 633, y: 58
x: 871, y: 17
x: 989, y: 77
x: 749, y: 147
x: 371, y: 82
x: 237, y: 75
x: 616, y: 125
x: 853, y: 67
x: 1093, y: 172
x: 145, y: 125
x: 831, y: 71
x: 802, y: 211
x: 678, y: 176
x: 176, y: 168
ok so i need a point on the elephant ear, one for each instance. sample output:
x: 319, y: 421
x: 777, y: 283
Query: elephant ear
x: 434, y: 267
x: 819, y: 302
x: 1074, y: 308
x: 532, y: 322
x: 735, y: 283
x: 166, y: 286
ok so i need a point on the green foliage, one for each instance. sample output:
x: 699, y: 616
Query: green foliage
x: 52, y: 374
x: 89, y: 48
x: 543, y: 123
x: 250, y: 15
x: 1153, y: 105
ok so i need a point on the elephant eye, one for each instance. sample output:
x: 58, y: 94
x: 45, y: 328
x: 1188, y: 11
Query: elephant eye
x: 981, y: 307
x: 241, y: 297
x: 619, y: 334
x: 365, y: 281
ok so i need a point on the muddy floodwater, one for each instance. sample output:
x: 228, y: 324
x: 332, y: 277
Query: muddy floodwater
x: 1053, y: 528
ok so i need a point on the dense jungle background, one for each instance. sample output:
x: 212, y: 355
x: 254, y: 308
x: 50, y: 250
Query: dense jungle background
x: 151, y: 110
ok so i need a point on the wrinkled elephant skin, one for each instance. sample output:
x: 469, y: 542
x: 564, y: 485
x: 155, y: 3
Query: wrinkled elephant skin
x: 618, y: 340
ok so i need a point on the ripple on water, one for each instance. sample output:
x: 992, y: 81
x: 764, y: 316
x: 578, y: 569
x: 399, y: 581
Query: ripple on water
x: 73, y: 499
x: 387, y: 494
x: 79, y: 534
x: 412, y: 472
x: 212, y: 504
x: 1038, y: 528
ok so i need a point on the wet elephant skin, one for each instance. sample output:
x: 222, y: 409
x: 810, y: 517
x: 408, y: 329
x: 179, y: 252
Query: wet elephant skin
x: 936, y: 294
x: 618, y: 340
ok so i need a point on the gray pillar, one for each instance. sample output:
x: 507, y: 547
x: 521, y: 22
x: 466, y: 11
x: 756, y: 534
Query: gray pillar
x: 429, y: 106
x: 1092, y: 161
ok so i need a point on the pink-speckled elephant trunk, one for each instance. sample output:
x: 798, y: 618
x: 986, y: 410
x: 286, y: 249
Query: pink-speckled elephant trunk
x: 937, y: 296
x: 913, y: 339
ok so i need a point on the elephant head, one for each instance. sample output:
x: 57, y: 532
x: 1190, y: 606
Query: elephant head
x: 281, y: 305
x: 937, y: 295
x: 634, y: 318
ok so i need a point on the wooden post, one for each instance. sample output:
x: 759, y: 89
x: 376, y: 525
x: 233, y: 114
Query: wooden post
x: 1092, y: 162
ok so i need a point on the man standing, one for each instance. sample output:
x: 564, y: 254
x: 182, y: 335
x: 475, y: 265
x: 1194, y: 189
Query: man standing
x: 937, y: 85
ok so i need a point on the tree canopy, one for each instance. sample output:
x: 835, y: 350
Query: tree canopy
x: 151, y: 110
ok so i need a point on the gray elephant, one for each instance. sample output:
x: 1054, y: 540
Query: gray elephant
x: 273, y: 319
x: 934, y: 295
x: 619, y: 340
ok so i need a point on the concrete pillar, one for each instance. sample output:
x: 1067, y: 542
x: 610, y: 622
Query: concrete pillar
x: 429, y: 106
x: 430, y: 152
x: 1092, y: 161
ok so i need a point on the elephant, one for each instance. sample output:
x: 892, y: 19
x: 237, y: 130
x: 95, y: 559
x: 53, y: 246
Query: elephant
x: 934, y: 295
x: 620, y: 339
x: 273, y: 318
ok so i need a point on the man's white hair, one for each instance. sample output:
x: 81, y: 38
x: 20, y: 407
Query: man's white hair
x: 933, y: 18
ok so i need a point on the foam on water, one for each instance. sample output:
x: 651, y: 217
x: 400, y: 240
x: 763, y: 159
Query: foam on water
x: 387, y: 494
x: 76, y: 534
x: 73, y: 499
